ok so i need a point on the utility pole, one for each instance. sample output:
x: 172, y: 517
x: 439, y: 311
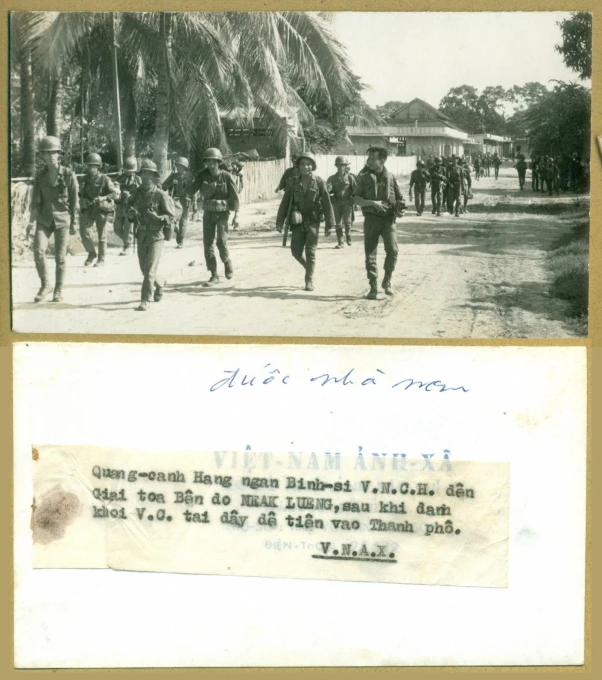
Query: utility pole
x: 116, y: 95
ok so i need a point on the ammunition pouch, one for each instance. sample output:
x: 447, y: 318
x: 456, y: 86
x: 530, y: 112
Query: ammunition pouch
x: 216, y: 205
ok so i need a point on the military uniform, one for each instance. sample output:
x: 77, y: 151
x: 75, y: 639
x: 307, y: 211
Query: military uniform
x: 466, y: 189
x: 418, y: 181
x: 455, y: 184
x: 534, y: 174
x: 313, y: 203
x: 152, y: 210
x: 97, y: 196
x: 496, y: 162
x: 128, y: 182
x: 438, y: 179
x: 381, y: 187
x: 178, y: 185
x: 54, y: 206
x: 477, y: 168
x: 287, y: 178
x: 341, y: 191
x: 219, y: 196
x: 521, y: 168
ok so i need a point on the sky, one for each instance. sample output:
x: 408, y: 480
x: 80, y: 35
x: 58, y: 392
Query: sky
x: 407, y: 55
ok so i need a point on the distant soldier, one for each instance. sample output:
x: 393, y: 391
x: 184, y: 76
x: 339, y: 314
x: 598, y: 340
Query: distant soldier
x: 307, y: 203
x: 467, y: 186
x: 177, y: 185
x: 521, y: 168
x: 552, y: 177
x: 341, y: 186
x: 455, y: 183
x: 97, y: 204
x: 437, y: 177
x: 576, y: 172
x: 541, y: 171
x: 565, y: 171
x: 127, y: 182
x: 487, y: 164
x: 430, y: 163
x: 418, y: 181
x: 452, y: 162
x: 220, y: 198
x: 152, y: 210
x: 54, y: 204
x: 534, y: 173
x: 378, y: 195
x: 289, y: 175
x: 477, y: 167
x: 496, y: 162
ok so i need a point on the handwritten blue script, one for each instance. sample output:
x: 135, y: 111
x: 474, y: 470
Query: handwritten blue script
x: 269, y: 375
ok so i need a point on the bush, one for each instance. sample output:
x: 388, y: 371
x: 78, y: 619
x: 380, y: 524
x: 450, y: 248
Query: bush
x: 569, y: 271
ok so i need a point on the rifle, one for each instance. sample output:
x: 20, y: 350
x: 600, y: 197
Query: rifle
x: 286, y: 222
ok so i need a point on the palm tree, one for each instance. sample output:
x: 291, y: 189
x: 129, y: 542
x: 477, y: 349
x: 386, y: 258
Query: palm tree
x: 21, y: 56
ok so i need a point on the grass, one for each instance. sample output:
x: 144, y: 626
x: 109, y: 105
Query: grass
x: 568, y: 266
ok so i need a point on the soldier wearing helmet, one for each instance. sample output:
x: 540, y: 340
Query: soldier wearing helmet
x: 152, y: 210
x: 127, y: 182
x: 54, y: 205
x: 377, y: 193
x: 288, y: 175
x: 307, y: 203
x: 341, y: 186
x: 97, y: 197
x: 178, y: 186
x: 467, y: 187
x: 220, y: 198
x: 521, y: 168
x: 418, y: 181
x: 437, y: 179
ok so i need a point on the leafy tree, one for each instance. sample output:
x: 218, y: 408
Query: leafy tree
x: 576, y: 45
x: 461, y: 106
x: 559, y: 123
x: 386, y: 110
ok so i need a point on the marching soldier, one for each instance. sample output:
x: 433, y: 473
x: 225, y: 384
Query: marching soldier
x: 467, y: 186
x: 306, y: 202
x: 97, y: 205
x: 177, y: 186
x: 496, y: 162
x: 534, y: 173
x: 378, y: 195
x: 437, y: 186
x: 477, y: 167
x: 54, y: 204
x: 521, y: 167
x: 127, y: 182
x: 340, y: 188
x: 152, y: 211
x: 455, y: 187
x: 220, y: 197
x: 418, y: 181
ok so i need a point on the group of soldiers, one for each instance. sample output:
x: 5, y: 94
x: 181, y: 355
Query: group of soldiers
x: 143, y: 211
x: 560, y: 173
x: 450, y: 182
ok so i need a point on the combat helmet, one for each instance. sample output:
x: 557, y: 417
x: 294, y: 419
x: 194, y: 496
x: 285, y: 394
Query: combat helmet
x: 49, y: 144
x: 130, y: 164
x: 438, y: 160
x: 147, y: 164
x: 341, y: 160
x: 93, y: 159
x: 309, y: 156
x: 213, y: 154
x: 182, y: 161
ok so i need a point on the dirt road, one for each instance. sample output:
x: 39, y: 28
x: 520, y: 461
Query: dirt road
x: 478, y: 276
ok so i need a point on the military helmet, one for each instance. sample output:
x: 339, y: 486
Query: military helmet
x: 93, y: 159
x: 182, y: 161
x: 147, y: 164
x: 130, y: 164
x: 420, y: 163
x: 438, y: 159
x: 341, y: 160
x: 213, y: 154
x: 49, y: 144
x: 309, y: 156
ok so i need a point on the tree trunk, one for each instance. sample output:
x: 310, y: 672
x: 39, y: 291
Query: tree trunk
x: 54, y: 122
x: 27, y: 112
x: 130, y: 123
x: 162, y: 96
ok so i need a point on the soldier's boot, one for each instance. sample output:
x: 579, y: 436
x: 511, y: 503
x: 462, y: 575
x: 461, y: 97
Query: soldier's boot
x: 45, y: 289
x: 214, y: 278
x: 387, y: 287
x: 102, y: 250
x: 159, y: 290
x: 125, y: 251
x: 327, y: 231
x: 91, y: 257
x: 309, y: 284
x: 348, y: 235
x: 229, y: 271
x: 143, y: 306
x: 373, y: 294
x: 58, y: 286
x: 340, y: 243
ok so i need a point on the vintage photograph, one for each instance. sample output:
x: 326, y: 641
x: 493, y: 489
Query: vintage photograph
x: 308, y: 174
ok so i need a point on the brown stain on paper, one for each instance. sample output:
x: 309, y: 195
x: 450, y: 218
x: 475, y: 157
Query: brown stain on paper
x: 56, y: 511
x: 35, y: 454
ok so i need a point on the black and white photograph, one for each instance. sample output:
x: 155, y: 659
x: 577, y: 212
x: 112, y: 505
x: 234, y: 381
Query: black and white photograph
x: 300, y: 174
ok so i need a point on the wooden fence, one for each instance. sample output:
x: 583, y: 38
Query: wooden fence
x: 261, y: 179
x: 400, y: 166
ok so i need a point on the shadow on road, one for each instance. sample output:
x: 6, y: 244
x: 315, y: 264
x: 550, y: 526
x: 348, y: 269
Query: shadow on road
x: 267, y: 292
